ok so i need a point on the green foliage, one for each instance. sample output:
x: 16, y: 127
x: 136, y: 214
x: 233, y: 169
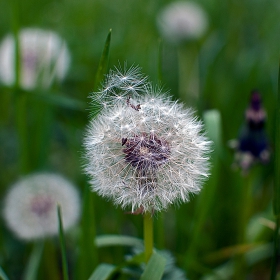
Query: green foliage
x: 102, y: 272
x: 155, y: 268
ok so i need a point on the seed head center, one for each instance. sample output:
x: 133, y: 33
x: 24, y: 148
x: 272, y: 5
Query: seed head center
x: 146, y: 152
x: 143, y: 151
x: 41, y: 205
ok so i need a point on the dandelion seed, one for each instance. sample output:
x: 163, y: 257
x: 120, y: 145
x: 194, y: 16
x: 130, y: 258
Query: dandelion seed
x: 147, y: 158
x: 44, y: 58
x: 30, y: 209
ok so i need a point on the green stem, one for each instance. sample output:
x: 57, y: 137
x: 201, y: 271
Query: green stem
x: 159, y: 231
x: 148, y: 235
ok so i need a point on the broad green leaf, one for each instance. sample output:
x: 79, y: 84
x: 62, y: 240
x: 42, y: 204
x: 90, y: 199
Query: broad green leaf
x: 155, y: 268
x: 103, y: 272
x: 118, y: 240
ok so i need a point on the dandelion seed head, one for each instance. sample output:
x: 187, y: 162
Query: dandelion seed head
x: 44, y: 58
x: 181, y: 21
x: 30, y: 209
x: 148, y: 158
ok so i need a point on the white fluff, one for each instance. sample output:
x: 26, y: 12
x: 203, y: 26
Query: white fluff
x: 170, y: 150
x: 44, y: 57
x: 30, y: 209
x: 182, y: 20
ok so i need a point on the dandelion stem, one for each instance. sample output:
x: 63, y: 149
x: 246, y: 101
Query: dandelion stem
x: 148, y: 235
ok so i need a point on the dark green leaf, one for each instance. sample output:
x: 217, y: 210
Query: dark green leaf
x: 155, y: 268
x: 102, y: 272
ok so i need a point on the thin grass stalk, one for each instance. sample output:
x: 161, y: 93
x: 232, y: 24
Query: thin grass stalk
x: 276, y: 193
x: 148, y: 235
x: 62, y: 245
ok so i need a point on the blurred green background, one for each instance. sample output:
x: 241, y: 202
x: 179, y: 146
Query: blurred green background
x: 239, y: 52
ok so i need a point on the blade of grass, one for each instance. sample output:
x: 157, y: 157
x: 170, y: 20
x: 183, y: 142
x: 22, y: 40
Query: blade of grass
x: 118, y: 240
x: 103, y: 64
x: 155, y: 268
x: 62, y: 245
x: 3, y: 275
x: 31, y: 272
x: 103, y: 272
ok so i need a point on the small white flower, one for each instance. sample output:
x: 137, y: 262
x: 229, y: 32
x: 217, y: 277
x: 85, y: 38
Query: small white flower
x: 146, y: 151
x: 44, y: 58
x: 30, y: 209
x: 181, y: 21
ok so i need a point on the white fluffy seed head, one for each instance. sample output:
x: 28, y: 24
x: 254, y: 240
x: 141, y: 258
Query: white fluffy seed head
x: 181, y: 21
x: 30, y: 209
x: 44, y: 57
x: 147, y: 156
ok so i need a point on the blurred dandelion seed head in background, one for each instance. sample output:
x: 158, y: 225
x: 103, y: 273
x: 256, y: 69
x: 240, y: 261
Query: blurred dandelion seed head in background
x: 181, y: 21
x: 145, y: 151
x: 44, y: 58
x: 30, y: 209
